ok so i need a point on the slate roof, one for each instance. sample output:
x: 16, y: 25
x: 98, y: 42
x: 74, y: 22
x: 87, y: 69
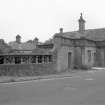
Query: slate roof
x: 92, y: 34
x: 46, y: 46
x: 27, y: 46
x: 22, y: 46
x: 40, y: 51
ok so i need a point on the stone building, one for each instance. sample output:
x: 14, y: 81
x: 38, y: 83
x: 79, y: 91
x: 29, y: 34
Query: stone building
x: 19, y: 46
x: 26, y: 58
x: 85, y: 47
x: 63, y: 52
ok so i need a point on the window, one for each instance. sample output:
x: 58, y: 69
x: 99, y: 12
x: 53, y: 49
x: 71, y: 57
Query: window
x: 39, y: 59
x: 9, y: 59
x: 1, y: 60
x: 17, y: 60
x: 45, y: 59
x: 50, y: 58
x: 25, y: 59
x: 33, y: 59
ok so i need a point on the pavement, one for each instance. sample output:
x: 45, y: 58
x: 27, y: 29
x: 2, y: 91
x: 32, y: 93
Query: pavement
x: 9, y: 79
x: 82, y: 88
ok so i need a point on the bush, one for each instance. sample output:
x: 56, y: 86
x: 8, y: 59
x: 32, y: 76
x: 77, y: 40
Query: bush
x: 76, y: 67
x: 12, y: 80
x: 84, y: 67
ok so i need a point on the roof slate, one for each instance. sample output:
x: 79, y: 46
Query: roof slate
x: 41, y: 51
x: 92, y: 34
x: 22, y: 46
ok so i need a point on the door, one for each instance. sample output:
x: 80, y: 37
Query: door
x: 94, y: 59
x: 69, y: 59
x: 1, y: 60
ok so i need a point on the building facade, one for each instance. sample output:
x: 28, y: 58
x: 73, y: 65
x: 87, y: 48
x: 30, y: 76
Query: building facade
x: 82, y: 48
x: 64, y: 52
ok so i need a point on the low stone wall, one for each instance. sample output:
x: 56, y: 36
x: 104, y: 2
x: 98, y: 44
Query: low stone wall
x: 27, y: 69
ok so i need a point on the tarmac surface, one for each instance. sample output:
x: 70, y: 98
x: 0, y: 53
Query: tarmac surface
x: 82, y: 88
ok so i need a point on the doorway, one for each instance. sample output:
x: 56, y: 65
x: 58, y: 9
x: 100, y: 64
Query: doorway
x: 95, y: 59
x: 1, y: 60
x: 69, y: 59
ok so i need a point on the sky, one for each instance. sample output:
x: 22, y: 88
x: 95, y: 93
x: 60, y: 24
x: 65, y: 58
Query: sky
x: 43, y: 18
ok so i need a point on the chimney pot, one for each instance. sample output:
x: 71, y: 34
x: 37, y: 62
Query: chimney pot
x: 61, y: 30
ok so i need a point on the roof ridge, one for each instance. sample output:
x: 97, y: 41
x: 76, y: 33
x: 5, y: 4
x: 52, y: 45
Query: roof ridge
x: 84, y: 30
x: 95, y: 29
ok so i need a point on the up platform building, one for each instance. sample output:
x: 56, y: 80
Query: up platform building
x: 64, y: 52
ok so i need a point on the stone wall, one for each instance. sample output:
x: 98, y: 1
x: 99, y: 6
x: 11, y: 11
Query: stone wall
x: 27, y: 69
x: 30, y: 69
x: 100, y: 60
x: 62, y: 58
x: 81, y: 56
x: 91, y: 62
x: 77, y: 57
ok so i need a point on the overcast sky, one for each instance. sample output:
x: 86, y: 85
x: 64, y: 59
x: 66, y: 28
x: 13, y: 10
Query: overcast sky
x: 43, y: 18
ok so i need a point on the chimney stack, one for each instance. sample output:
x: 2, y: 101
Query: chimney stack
x: 18, y: 39
x: 81, y: 24
x: 61, y: 30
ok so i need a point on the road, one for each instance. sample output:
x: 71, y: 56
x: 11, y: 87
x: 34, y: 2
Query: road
x: 83, y: 88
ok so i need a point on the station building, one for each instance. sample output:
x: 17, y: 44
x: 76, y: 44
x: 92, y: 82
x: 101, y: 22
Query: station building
x: 64, y: 52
